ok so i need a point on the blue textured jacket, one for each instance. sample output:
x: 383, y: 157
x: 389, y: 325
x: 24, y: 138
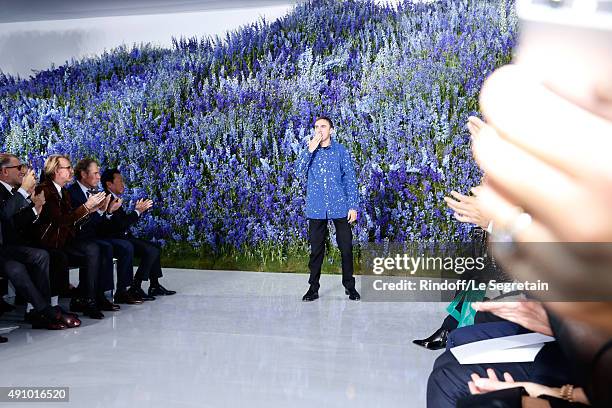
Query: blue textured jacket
x: 331, y: 188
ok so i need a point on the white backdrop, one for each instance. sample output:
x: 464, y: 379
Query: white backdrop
x: 28, y: 46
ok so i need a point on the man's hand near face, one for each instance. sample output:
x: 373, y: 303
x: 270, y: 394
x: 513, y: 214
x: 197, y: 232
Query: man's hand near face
x: 29, y: 182
x: 314, y: 142
x: 39, y: 201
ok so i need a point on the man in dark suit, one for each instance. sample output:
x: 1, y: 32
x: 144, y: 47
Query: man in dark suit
x: 57, y: 226
x: 27, y: 268
x: 148, y: 252
x: 87, y: 174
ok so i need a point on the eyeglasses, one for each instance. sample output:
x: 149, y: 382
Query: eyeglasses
x: 19, y: 167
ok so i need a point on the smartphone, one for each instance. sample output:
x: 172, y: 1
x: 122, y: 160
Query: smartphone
x: 567, y: 44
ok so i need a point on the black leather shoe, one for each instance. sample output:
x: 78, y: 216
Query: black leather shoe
x: 107, y: 305
x: 352, y: 294
x: 436, y: 341
x: 65, y: 312
x: 91, y: 309
x: 42, y: 321
x: 311, y: 295
x: 77, y: 304
x: 5, y: 307
x: 138, y: 293
x: 3, y: 339
x: 159, y: 290
x: 127, y: 298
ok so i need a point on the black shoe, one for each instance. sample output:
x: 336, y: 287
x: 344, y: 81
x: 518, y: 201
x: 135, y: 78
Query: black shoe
x: 5, y: 307
x: 436, y: 341
x: 138, y: 293
x: 86, y: 306
x: 43, y: 321
x: 91, y: 309
x: 3, y: 339
x: 29, y: 316
x: 125, y: 297
x: 77, y: 304
x: 352, y: 294
x: 65, y: 312
x: 312, y: 294
x: 159, y: 290
x: 104, y: 304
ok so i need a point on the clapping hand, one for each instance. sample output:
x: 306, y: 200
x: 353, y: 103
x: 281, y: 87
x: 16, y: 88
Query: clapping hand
x: 95, y: 201
x: 467, y: 208
x: 529, y: 314
x: 143, y: 205
x: 39, y: 201
x: 114, y: 205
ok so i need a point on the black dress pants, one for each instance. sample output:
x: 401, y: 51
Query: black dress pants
x: 317, y: 235
x: 150, y: 263
x: 28, y: 270
x: 87, y: 255
x: 59, y: 272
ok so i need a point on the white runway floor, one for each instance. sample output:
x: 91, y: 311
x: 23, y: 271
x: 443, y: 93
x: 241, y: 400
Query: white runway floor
x: 233, y: 339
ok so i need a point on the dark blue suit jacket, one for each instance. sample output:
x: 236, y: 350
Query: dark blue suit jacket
x: 96, y: 224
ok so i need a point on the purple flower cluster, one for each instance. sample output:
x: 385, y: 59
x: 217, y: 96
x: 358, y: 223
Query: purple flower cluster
x: 211, y: 129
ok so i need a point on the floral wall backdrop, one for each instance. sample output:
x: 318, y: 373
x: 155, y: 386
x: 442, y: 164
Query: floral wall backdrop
x: 211, y: 128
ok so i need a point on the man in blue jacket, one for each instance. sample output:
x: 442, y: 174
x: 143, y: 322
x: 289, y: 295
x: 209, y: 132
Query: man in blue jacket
x: 331, y: 193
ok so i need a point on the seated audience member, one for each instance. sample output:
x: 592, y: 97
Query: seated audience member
x: 57, y: 226
x: 148, y: 252
x: 27, y: 268
x: 467, y: 209
x: 87, y: 175
x: 449, y: 381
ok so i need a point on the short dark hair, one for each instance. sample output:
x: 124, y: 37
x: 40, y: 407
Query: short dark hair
x: 83, y: 165
x: 108, y: 176
x: 5, y: 159
x: 323, y: 117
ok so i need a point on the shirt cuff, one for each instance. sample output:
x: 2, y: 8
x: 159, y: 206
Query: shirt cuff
x: 490, y: 227
x: 35, y: 212
x: 137, y: 212
x: 100, y: 212
x: 23, y: 193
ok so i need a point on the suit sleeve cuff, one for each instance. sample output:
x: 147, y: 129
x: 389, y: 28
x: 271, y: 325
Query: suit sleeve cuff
x: 23, y: 193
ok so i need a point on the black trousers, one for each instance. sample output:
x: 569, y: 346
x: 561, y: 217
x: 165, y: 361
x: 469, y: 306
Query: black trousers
x: 59, y: 272
x: 123, y: 250
x: 28, y: 270
x: 150, y: 263
x: 317, y: 235
x: 86, y: 255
